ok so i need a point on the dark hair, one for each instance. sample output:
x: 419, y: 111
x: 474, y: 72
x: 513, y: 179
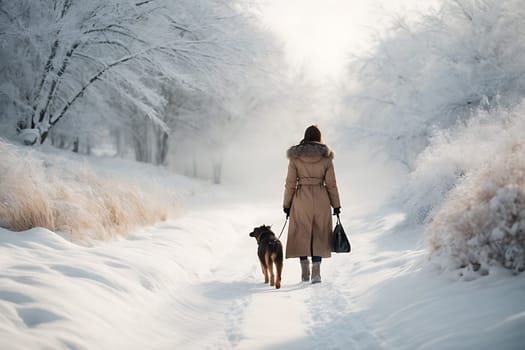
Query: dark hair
x: 312, y: 134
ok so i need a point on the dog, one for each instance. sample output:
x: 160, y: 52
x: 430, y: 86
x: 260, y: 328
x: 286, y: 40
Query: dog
x: 270, y: 252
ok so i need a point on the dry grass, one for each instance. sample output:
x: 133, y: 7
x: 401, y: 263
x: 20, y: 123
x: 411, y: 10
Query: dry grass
x: 72, y: 199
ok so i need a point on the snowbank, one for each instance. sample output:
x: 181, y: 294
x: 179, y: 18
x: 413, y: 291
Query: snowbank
x: 181, y: 284
x: 70, y: 197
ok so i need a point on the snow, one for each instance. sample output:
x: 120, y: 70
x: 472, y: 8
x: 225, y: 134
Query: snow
x: 438, y: 254
x: 194, y: 282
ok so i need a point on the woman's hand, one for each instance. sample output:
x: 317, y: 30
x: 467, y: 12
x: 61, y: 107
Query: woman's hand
x: 287, y: 211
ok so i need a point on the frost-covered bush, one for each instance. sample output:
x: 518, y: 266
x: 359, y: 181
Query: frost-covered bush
x: 452, y: 154
x: 69, y: 198
x: 482, y: 220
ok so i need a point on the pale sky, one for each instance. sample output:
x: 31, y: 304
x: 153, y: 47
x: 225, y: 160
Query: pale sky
x: 320, y: 35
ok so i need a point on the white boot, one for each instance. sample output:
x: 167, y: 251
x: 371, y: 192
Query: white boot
x: 305, y: 270
x: 316, y: 272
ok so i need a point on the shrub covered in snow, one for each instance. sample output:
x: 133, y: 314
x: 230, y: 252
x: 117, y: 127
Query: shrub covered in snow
x: 481, y: 222
x: 70, y: 198
x: 454, y: 153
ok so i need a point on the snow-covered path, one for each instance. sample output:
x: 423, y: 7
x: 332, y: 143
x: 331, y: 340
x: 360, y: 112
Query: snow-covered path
x: 195, y: 283
x: 251, y: 315
x: 235, y: 309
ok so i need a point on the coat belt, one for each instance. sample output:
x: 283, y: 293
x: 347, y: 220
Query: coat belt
x: 310, y: 181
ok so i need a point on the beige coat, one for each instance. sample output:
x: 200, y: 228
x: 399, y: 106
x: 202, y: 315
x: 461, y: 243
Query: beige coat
x: 310, y: 190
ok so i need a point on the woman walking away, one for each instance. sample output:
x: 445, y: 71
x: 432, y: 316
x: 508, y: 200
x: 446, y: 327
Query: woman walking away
x: 309, y: 192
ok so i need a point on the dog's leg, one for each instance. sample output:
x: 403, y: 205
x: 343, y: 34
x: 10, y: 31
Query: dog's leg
x: 264, y: 270
x: 269, y: 267
x: 279, y: 267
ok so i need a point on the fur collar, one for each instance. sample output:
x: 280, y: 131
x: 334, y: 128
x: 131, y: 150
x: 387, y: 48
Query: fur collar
x: 310, y: 149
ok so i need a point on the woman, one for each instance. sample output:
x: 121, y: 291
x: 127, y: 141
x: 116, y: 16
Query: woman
x: 310, y: 190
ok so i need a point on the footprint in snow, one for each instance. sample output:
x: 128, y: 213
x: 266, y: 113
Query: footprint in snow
x: 234, y: 320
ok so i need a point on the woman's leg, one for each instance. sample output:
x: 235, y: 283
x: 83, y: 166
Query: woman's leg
x: 316, y: 269
x: 305, y: 268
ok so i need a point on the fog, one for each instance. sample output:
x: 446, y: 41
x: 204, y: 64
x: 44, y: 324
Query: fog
x: 319, y: 39
x: 321, y: 36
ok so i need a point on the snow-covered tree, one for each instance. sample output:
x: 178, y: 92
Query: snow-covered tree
x: 62, y: 57
x: 442, y: 96
x: 426, y: 75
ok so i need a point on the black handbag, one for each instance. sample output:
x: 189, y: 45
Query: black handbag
x: 340, y: 243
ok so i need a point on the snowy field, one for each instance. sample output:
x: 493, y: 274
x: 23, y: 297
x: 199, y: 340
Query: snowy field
x: 194, y: 282
x: 118, y: 101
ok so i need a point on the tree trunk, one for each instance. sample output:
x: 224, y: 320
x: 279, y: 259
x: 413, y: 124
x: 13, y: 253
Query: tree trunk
x: 217, y: 172
x: 141, y: 146
x: 162, y: 147
x: 89, y: 146
x: 195, y: 172
x: 62, y: 141
x: 75, y: 145
x: 120, y: 142
x: 43, y: 136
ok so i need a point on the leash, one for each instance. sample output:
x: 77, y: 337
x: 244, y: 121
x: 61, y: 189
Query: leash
x: 283, y: 228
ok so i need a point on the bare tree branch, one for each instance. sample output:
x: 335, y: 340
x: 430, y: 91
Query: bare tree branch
x: 144, y: 2
x: 109, y: 29
x: 463, y: 9
x: 65, y: 8
x: 109, y: 43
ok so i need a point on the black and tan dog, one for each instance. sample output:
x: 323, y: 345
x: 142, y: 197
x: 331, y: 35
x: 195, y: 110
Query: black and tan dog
x: 270, y: 253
